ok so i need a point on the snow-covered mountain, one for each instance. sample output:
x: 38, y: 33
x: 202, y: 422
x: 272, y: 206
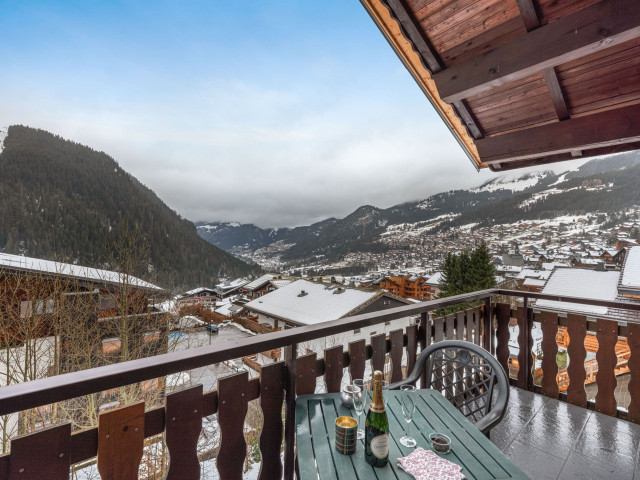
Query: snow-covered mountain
x: 599, y: 185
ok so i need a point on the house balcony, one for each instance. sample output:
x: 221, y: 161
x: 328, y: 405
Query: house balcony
x: 555, y: 427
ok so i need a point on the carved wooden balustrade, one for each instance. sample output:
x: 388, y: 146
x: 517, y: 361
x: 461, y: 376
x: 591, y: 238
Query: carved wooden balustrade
x: 119, y: 440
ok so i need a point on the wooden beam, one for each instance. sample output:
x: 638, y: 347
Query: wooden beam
x: 563, y: 157
x: 555, y: 91
x: 610, y: 128
x: 414, y: 33
x: 468, y: 119
x: 528, y: 14
x: 594, y: 28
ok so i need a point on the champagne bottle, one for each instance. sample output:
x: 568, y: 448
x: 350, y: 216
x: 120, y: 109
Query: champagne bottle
x: 376, y: 447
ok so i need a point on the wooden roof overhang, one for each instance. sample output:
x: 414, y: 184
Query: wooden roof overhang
x: 524, y: 82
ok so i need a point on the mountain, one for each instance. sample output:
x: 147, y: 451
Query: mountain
x: 600, y: 185
x: 234, y: 236
x: 65, y: 201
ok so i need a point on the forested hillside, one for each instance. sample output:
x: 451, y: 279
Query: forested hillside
x: 66, y: 201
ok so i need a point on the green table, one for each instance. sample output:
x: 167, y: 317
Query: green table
x: 318, y: 459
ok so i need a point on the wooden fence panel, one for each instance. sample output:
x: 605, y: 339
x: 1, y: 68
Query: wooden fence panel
x: 607, y: 336
x: 333, y: 368
x: 412, y: 347
x: 272, y: 381
x: 307, y: 373
x: 503, y: 315
x: 477, y: 326
x: 42, y: 455
x: 232, y: 411
x: 183, y: 420
x: 397, y: 348
x: 378, y: 351
x: 549, y: 322
x: 450, y: 321
x: 438, y: 329
x: 577, y: 331
x: 460, y: 326
x: 120, y: 442
x: 357, y: 359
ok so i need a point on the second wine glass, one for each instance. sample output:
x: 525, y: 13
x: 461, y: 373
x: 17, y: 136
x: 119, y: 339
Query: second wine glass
x: 359, y: 397
x: 408, y: 407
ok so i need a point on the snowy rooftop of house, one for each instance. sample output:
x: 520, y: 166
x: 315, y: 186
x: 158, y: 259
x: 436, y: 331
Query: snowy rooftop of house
x: 631, y: 271
x: 280, y: 282
x: 435, y: 279
x: 196, y: 291
x: 228, y: 285
x: 258, y: 282
x: 319, y: 302
x: 552, y: 265
x: 534, y: 282
x: 580, y: 282
x: 38, y: 265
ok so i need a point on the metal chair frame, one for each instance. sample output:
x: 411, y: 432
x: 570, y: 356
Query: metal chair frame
x: 467, y: 375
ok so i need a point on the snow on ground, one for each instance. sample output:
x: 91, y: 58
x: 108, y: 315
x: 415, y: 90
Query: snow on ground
x: 3, y: 135
x: 544, y: 194
x: 415, y: 229
x: 513, y: 182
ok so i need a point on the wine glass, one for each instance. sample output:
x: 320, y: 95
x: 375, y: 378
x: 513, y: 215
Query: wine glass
x: 408, y: 407
x: 359, y: 390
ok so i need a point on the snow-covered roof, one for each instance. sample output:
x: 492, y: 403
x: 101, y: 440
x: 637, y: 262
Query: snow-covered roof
x: 552, y: 265
x: 630, y: 278
x: 38, y: 265
x: 319, y: 303
x: 196, y: 291
x: 580, y: 282
x: 534, y: 282
x: 280, y: 283
x: 258, y: 282
x: 435, y: 279
x: 238, y: 282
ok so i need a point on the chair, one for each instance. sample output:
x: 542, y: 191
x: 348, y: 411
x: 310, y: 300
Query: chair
x: 468, y: 376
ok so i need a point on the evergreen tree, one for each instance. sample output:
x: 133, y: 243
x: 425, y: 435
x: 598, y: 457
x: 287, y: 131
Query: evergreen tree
x: 483, y: 274
x: 464, y: 273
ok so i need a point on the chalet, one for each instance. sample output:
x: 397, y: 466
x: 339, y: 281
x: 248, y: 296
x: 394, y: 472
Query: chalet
x: 198, y: 296
x: 513, y: 259
x: 72, y: 316
x: 309, y: 303
x: 629, y: 284
x: 408, y: 286
x: 227, y: 288
x: 592, y: 284
x: 434, y: 283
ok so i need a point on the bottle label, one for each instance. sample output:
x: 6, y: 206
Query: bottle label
x: 380, y: 446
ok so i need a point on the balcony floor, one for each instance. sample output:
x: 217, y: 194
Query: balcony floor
x: 550, y: 439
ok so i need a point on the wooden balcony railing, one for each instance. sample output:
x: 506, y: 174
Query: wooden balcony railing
x: 119, y: 440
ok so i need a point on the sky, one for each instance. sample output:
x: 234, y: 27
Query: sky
x: 272, y: 112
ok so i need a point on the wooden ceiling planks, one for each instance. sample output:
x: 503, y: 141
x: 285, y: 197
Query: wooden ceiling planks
x: 551, y: 10
x: 513, y: 67
x: 602, y: 80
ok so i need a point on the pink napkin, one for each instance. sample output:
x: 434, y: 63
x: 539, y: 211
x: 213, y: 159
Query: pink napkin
x: 427, y: 465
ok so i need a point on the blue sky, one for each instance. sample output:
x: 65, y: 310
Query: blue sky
x: 278, y: 113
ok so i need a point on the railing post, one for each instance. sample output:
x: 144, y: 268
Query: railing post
x: 525, y: 342
x: 290, y: 411
x: 425, y: 340
x: 487, y: 337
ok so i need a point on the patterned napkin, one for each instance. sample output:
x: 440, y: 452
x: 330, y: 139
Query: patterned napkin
x: 428, y: 465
